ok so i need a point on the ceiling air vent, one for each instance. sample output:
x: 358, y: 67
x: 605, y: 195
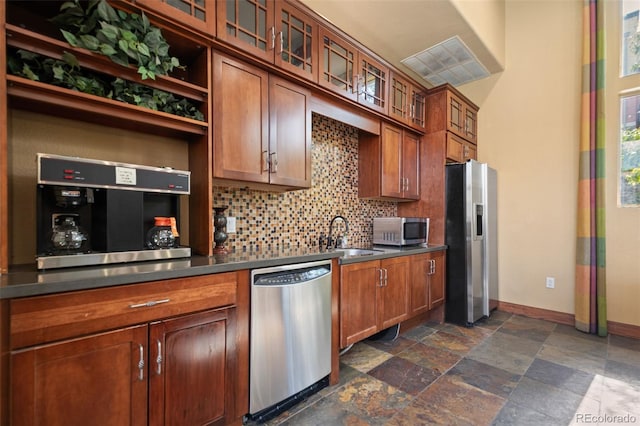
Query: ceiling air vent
x: 450, y: 61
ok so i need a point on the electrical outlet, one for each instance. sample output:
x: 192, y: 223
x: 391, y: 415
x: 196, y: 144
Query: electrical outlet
x: 551, y: 282
x: 231, y: 225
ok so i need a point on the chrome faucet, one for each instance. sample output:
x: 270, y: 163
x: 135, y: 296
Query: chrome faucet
x: 341, y: 240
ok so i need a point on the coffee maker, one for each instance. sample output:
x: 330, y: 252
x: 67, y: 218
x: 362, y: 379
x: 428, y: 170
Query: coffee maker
x: 92, y: 212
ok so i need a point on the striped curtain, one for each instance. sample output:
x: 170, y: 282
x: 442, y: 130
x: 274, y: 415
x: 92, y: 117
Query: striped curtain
x: 590, y: 289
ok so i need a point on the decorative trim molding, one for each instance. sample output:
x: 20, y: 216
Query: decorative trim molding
x: 617, y: 328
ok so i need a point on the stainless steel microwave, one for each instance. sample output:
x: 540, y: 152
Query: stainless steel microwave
x: 400, y: 231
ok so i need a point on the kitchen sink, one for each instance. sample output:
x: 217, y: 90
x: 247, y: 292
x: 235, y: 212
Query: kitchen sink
x: 354, y: 252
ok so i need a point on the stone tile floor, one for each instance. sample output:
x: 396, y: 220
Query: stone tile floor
x: 507, y: 370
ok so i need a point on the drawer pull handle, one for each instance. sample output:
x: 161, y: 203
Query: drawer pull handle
x: 149, y: 303
x: 141, y: 364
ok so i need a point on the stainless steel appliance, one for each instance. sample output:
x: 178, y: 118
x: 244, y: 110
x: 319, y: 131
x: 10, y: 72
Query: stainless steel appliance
x: 290, y: 343
x: 471, y: 237
x: 92, y: 212
x: 400, y: 231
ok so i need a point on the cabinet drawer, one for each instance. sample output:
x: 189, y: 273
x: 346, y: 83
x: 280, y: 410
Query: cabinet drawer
x: 42, y: 319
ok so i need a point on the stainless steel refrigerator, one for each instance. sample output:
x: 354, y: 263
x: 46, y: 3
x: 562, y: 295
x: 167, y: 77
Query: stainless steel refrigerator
x: 471, y: 237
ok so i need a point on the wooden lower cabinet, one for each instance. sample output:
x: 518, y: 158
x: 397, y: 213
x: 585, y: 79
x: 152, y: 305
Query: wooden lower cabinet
x: 91, y: 380
x: 188, y: 369
x: 378, y: 294
x: 168, y: 353
x: 427, y: 281
x: 374, y: 295
x: 174, y: 370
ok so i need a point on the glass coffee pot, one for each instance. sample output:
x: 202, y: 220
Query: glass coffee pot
x: 66, y: 234
x: 163, y: 234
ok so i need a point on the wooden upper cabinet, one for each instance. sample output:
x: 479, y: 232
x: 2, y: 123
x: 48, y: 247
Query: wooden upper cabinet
x: 338, y: 61
x: 462, y: 117
x: 248, y: 25
x: 459, y: 150
x: 275, y: 31
x: 241, y: 121
x: 289, y: 134
x: 407, y: 102
x: 388, y: 165
x: 450, y: 110
x: 392, y: 180
x: 197, y: 14
x: 372, y: 84
x: 352, y: 73
x: 411, y: 165
x: 399, y: 105
x: 296, y: 39
x: 418, y: 107
x: 262, y: 126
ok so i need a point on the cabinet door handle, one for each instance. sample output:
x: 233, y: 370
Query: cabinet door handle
x: 265, y: 161
x: 380, y: 277
x: 273, y: 38
x: 141, y: 363
x: 159, y: 358
x: 281, y: 36
x: 386, y: 277
x: 432, y: 266
x: 149, y: 304
x: 273, y: 159
x: 358, y: 85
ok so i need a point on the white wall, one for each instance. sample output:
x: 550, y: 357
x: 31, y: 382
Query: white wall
x: 529, y: 131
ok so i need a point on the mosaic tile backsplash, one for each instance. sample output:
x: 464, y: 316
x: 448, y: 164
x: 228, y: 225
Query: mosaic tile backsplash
x: 268, y: 220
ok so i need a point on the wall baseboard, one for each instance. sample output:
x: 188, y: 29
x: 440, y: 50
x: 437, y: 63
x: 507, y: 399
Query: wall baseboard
x: 621, y: 329
x: 617, y: 328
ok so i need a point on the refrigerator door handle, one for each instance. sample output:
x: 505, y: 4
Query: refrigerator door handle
x: 478, y: 210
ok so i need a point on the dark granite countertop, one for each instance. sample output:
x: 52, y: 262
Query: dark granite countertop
x: 27, y: 281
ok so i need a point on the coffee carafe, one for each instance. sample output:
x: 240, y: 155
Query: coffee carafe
x: 66, y: 234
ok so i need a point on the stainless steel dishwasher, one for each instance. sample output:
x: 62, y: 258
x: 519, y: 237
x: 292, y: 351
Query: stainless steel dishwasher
x: 290, y: 352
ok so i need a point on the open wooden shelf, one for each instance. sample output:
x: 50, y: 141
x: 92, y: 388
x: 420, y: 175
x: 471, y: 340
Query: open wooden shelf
x: 25, y: 93
x: 21, y: 38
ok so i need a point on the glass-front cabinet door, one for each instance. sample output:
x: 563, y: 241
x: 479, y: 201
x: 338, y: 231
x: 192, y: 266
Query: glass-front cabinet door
x: 471, y: 124
x: 248, y: 24
x: 462, y: 118
x: 337, y: 64
x: 296, y: 36
x: 418, y: 108
x: 455, y: 117
x: 399, y: 107
x: 372, y: 81
x: 198, y: 14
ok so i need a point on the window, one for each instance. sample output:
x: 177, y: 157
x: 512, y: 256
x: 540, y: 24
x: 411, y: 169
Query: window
x: 629, y: 176
x: 630, y: 151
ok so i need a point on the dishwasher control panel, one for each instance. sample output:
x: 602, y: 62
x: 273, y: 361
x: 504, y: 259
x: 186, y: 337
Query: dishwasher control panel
x: 291, y: 277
